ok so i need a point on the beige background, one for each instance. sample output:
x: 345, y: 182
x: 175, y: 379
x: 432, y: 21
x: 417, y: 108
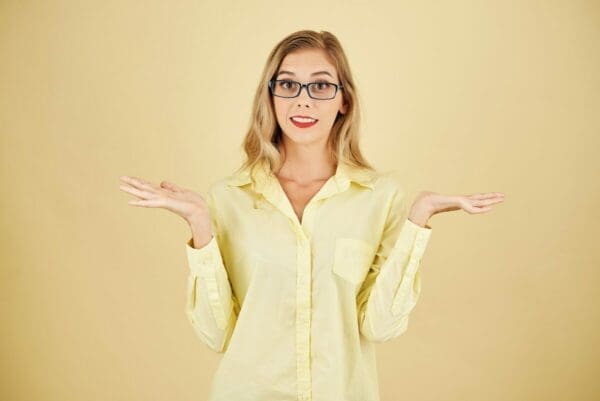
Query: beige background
x: 460, y: 96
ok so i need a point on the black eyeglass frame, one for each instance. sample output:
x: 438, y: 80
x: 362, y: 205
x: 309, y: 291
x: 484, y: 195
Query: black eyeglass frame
x: 306, y: 85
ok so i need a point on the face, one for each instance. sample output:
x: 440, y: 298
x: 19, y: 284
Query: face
x: 305, y: 66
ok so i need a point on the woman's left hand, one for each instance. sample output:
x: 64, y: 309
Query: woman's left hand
x: 429, y: 203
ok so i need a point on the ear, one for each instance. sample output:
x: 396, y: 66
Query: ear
x: 344, y: 108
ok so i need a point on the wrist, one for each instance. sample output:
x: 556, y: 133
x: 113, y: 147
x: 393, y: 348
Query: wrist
x: 419, y: 213
x: 200, y: 224
x: 201, y: 235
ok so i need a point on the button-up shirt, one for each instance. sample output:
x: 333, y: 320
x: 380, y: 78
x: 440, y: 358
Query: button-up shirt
x: 297, y: 306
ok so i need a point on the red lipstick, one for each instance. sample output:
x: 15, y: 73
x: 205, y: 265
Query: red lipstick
x: 303, y: 124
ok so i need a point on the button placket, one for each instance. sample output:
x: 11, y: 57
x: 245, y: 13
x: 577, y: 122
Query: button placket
x: 303, y: 297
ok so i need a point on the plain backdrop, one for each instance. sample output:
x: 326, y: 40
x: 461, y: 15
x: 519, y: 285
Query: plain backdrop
x: 458, y: 96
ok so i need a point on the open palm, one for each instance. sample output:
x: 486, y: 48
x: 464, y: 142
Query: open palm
x: 167, y: 195
x: 476, y: 203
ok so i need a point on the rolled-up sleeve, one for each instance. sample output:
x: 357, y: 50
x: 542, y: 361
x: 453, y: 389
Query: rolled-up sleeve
x: 392, y: 286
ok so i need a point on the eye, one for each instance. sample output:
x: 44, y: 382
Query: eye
x: 286, y: 84
x: 322, y: 85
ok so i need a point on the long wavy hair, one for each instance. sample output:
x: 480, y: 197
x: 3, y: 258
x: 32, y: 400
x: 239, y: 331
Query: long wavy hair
x: 264, y: 135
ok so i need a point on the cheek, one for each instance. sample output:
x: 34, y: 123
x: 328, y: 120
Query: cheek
x: 280, y: 110
x: 330, y: 112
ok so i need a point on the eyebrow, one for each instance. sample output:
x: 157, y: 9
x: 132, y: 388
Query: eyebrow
x: 314, y: 73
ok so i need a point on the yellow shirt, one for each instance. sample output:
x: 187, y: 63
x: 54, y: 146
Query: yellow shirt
x: 296, y: 307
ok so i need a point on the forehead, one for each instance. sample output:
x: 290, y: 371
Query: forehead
x: 303, y: 63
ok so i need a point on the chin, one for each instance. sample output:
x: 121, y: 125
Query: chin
x: 303, y: 138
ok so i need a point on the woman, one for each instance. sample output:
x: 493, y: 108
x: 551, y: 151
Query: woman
x: 306, y: 256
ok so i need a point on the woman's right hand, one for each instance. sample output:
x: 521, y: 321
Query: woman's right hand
x: 181, y: 201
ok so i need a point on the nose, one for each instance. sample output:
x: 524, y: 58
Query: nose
x: 303, y: 98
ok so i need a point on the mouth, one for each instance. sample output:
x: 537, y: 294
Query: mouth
x: 303, y: 123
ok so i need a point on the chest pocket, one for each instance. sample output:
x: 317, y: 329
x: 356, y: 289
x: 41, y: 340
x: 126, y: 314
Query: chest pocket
x: 352, y: 259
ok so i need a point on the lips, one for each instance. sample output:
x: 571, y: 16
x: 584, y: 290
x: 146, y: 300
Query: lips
x: 300, y: 124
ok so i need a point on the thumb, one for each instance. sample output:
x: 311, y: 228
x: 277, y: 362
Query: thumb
x: 170, y: 185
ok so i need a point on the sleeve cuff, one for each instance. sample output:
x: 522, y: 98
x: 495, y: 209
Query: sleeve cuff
x: 414, y: 236
x: 413, y: 240
x: 202, y: 261
x: 206, y: 263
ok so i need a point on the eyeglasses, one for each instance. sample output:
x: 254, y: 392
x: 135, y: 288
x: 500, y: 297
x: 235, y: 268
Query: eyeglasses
x: 287, y: 88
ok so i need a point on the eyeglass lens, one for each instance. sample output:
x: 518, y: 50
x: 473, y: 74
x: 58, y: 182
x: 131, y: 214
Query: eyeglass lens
x: 318, y: 90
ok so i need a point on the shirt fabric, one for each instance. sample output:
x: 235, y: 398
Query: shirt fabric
x: 296, y: 307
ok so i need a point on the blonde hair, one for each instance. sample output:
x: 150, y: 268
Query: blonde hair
x: 264, y: 134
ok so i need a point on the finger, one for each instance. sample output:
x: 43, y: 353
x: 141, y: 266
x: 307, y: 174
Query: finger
x: 137, y: 192
x: 170, y: 185
x: 139, y: 183
x: 155, y: 202
x: 487, y: 198
x: 487, y: 195
x: 495, y: 200
x: 476, y: 209
x: 486, y: 202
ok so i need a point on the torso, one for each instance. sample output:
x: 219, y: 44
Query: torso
x: 300, y: 195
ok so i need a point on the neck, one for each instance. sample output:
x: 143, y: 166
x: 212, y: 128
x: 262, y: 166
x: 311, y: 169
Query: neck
x: 305, y: 163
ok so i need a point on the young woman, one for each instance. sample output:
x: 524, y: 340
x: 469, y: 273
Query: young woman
x: 306, y: 256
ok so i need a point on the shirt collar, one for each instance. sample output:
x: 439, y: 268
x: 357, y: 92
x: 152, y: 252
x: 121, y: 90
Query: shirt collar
x: 262, y: 176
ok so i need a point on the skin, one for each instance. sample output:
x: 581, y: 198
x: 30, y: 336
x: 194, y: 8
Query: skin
x: 428, y: 203
x: 306, y: 162
x: 305, y: 149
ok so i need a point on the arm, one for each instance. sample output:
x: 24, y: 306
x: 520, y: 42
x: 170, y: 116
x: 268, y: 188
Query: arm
x: 211, y: 306
x: 392, y: 286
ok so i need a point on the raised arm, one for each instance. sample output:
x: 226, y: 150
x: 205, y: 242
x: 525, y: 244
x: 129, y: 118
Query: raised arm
x: 211, y: 306
x: 392, y: 286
